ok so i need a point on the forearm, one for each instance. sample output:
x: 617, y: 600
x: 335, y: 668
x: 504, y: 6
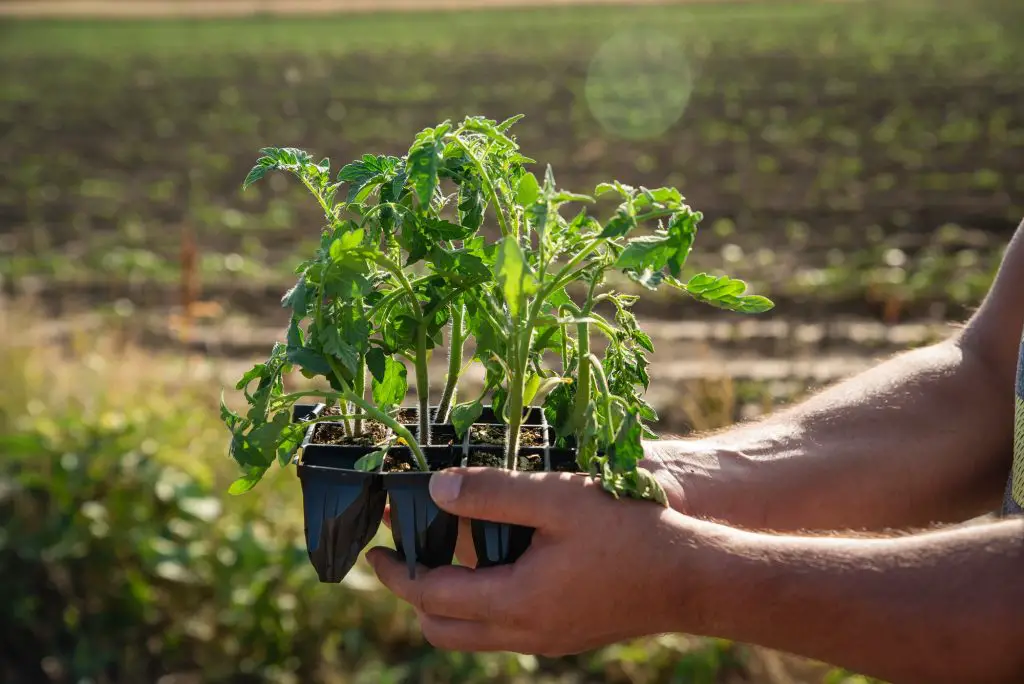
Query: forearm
x: 921, y: 438
x: 937, y: 607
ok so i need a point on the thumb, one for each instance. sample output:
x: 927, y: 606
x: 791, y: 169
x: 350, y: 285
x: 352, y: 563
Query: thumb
x: 536, y: 500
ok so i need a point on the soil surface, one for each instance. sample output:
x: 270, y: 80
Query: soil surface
x: 529, y: 463
x: 494, y: 434
x: 374, y: 433
x: 399, y: 461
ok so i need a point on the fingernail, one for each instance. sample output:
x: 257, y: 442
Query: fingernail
x: 444, y: 487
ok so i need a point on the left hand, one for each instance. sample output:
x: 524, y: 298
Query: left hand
x: 598, y: 571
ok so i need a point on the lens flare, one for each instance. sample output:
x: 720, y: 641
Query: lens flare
x: 638, y: 84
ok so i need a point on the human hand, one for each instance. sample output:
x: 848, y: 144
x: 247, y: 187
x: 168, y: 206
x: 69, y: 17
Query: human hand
x: 598, y: 570
x: 666, y: 460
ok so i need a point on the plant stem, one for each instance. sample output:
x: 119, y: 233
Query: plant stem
x: 341, y: 381
x: 422, y: 382
x: 515, y: 418
x: 454, y: 363
x: 360, y: 389
x: 603, y: 381
x: 376, y: 413
x: 582, y: 402
x: 396, y: 271
x: 398, y: 428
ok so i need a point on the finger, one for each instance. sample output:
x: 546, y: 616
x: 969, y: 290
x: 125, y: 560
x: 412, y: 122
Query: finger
x: 449, y: 591
x: 465, y: 551
x: 387, y: 516
x: 537, y: 500
x: 469, y: 636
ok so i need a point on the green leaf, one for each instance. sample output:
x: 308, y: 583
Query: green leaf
x: 464, y: 415
x: 298, y: 298
x: 726, y: 293
x: 247, y: 481
x: 375, y: 361
x: 528, y: 190
x: 643, y: 339
x: 628, y: 448
x: 310, y: 360
x: 423, y: 164
x: 257, y: 172
x: 334, y: 344
x: 392, y: 388
x: 294, y: 336
x: 620, y: 224
x: 256, y: 371
x: 291, y: 438
x: 514, y: 275
x: 371, y: 461
x: 509, y: 122
x: 544, y: 388
x: 530, y: 388
x: 445, y: 230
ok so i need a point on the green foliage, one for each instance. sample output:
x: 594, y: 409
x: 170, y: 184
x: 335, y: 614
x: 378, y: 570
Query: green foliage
x: 123, y: 561
x: 359, y: 303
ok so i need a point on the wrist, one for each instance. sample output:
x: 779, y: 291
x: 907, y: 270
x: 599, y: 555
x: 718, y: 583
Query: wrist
x: 704, y: 576
x: 707, y: 479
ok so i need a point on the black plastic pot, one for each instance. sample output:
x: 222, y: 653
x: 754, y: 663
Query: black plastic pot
x: 342, y: 507
x: 422, y: 532
x: 500, y: 543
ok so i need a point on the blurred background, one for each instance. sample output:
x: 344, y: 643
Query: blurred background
x: 861, y: 163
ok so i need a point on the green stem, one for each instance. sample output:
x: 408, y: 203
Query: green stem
x: 423, y: 382
x: 374, y: 412
x: 396, y: 271
x: 360, y: 389
x: 582, y: 403
x: 397, y: 427
x: 336, y: 369
x: 454, y: 362
x: 319, y: 198
x: 603, y: 382
x: 515, y: 419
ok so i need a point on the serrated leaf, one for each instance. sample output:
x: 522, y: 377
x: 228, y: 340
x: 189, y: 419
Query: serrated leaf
x: 620, y: 224
x: 256, y: 371
x: 371, y: 461
x: 440, y: 229
x: 726, y: 293
x: 424, y: 161
x: 643, y: 339
x: 257, y: 172
x: 298, y: 298
x: 310, y: 360
x: 247, y: 481
x: 376, y: 362
x: 335, y: 344
x: 514, y: 275
x: 464, y: 415
x: 528, y: 190
x: 392, y: 388
x: 509, y: 122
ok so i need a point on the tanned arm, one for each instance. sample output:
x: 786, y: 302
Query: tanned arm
x: 937, y: 607
x: 923, y: 438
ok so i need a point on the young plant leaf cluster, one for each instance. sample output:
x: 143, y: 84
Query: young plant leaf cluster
x: 406, y: 256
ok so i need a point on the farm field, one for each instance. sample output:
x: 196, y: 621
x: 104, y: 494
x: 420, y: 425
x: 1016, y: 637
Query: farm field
x: 861, y: 163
